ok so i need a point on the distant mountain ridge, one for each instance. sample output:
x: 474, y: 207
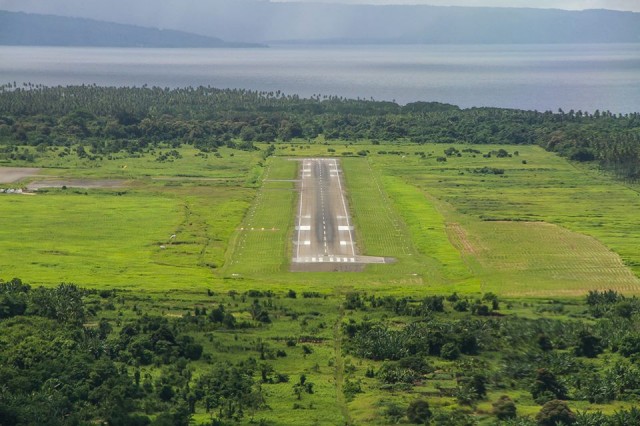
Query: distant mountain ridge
x: 466, y: 25
x: 290, y: 22
x: 25, y: 29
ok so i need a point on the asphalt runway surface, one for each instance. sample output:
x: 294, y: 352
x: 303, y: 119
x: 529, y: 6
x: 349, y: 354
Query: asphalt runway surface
x: 324, y: 238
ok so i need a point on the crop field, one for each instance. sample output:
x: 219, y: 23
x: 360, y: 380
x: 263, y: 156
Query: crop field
x: 540, y: 259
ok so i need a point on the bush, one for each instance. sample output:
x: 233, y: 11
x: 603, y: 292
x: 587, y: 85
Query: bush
x: 454, y: 418
x: 390, y: 373
x: 546, y: 385
x: 415, y: 363
x: 450, y: 352
x: 554, y: 412
x: 504, y: 408
x: 630, y: 344
x: 461, y: 306
x: 588, y: 345
x: 418, y: 412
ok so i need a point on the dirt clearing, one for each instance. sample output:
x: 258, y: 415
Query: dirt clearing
x: 14, y: 174
x: 76, y: 183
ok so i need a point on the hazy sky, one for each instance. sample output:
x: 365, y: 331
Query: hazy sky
x: 631, y: 5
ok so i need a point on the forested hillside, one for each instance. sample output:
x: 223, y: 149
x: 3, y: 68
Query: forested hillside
x: 332, y: 22
x: 25, y: 29
x: 112, y: 119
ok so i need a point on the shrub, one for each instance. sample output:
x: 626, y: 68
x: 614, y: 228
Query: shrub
x: 547, y: 384
x: 450, y: 351
x: 554, y: 412
x: 504, y: 408
x: 588, y: 345
x: 418, y: 412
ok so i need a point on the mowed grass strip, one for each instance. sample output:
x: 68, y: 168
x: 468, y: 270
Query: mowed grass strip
x: 395, y: 219
x: 379, y: 231
x: 427, y: 227
x: 263, y: 244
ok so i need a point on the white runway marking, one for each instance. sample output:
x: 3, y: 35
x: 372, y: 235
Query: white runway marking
x: 324, y: 228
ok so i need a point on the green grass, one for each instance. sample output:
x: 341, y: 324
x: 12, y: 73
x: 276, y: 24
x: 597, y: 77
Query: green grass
x: 232, y: 166
x: 542, y: 230
x: 449, y: 227
x: 545, y: 189
x: 263, y: 244
x: 106, y: 240
x: 395, y: 219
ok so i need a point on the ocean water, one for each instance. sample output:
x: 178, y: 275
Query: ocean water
x: 532, y: 77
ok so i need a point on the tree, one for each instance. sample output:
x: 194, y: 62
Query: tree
x: 544, y: 343
x: 450, y: 351
x: 554, y: 412
x: 588, y: 345
x: 547, y: 384
x: 624, y: 309
x: 504, y: 408
x: 630, y: 344
x: 259, y: 313
x: 418, y: 412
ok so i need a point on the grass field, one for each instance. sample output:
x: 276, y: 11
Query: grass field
x: 540, y: 227
x: 104, y: 239
x: 535, y: 186
x: 262, y: 245
x: 531, y: 227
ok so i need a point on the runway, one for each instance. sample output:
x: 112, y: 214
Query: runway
x: 324, y: 230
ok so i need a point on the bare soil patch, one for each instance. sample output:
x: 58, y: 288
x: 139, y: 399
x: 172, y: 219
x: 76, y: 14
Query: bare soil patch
x: 76, y: 183
x: 14, y: 174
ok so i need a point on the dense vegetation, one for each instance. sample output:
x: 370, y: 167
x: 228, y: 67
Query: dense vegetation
x: 70, y: 356
x: 109, y: 120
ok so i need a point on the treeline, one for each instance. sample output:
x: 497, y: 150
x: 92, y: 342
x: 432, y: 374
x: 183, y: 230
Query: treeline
x: 112, y: 119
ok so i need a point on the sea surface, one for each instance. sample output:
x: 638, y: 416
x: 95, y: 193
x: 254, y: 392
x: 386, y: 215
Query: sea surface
x: 533, y: 77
